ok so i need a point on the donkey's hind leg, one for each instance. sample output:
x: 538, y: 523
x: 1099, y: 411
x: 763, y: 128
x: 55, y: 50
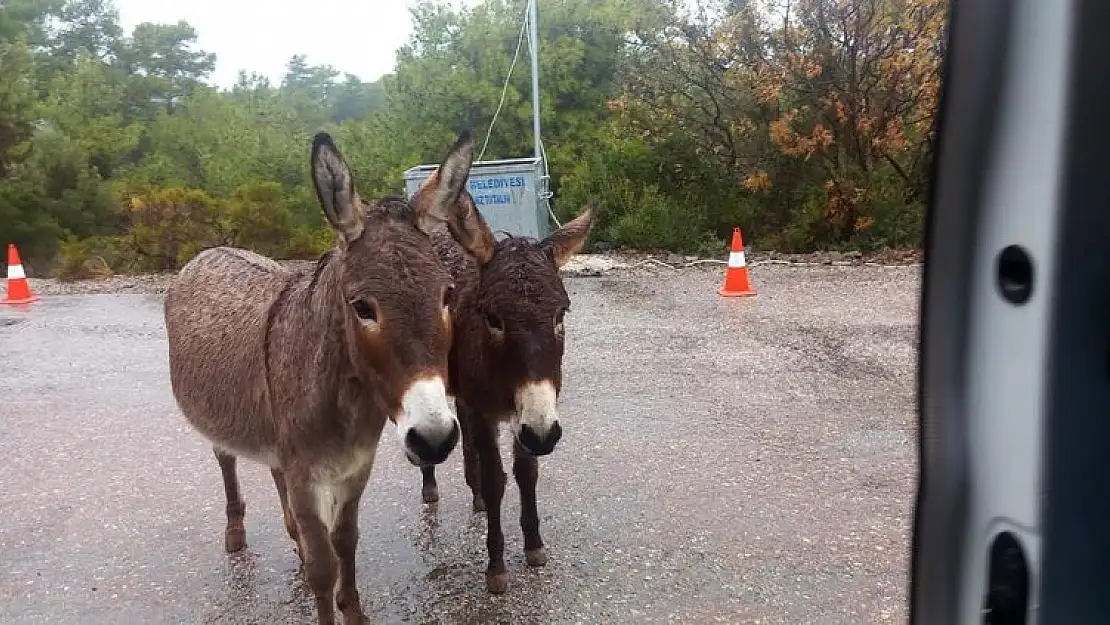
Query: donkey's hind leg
x: 235, y: 536
x: 283, y: 495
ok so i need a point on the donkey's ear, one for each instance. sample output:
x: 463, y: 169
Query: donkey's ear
x: 442, y: 200
x: 335, y: 188
x: 568, y: 240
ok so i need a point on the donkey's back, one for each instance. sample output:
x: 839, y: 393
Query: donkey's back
x: 217, y: 310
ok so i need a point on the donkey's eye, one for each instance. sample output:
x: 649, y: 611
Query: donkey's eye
x: 364, y: 310
x: 494, y: 322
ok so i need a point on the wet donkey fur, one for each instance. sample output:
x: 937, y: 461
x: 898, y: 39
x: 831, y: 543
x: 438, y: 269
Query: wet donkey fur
x: 301, y: 370
x: 506, y: 363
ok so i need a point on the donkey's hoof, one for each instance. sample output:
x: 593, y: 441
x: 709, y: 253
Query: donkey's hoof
x: 497, y: 583
x: 235, y: 538
x: 479, y: 505
x: 354, y: 616
x: 535, y: 557
x: 430, y: 494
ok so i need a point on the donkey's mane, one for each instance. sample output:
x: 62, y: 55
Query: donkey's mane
x: 513, y: 241
x: 318, y: 270
x: 391, y: 205
x: 394, y: 206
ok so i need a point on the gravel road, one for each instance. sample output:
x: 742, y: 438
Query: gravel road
x: 725, y: 460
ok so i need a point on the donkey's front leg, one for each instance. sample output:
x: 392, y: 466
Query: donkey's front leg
x: 317, y: 554
x: 493, y: 488
x: 526, y: 470
x: 344, y: 538
x: 429, y: 491
x: 235, y: 535
x: 472, y: 470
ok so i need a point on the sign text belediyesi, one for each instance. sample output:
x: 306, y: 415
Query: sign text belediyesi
x: 485, y: 190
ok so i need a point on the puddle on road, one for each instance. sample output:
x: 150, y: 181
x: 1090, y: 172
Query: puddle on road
x: 625, y: 290
x: 430, y: 571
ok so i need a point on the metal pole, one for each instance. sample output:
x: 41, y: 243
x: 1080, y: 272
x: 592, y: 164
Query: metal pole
x: 533, y: 36
x: 542, y: 193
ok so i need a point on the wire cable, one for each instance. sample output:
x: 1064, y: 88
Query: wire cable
x: 508, y: 78
x: 546, y: 177
x: 546, y: 196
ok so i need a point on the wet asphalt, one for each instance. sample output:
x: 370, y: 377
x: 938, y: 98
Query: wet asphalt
x: 745, y: 460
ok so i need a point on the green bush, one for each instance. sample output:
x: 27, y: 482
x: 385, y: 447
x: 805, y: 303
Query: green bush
x: 258, y: 218
x: 308, y: 243
x: 90, y: 258
x: 167, y: 227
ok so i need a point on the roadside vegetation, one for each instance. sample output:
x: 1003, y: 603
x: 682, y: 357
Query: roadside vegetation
x: 807, y: 122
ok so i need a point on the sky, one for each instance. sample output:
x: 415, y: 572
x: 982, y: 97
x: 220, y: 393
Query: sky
x: 354, y: 36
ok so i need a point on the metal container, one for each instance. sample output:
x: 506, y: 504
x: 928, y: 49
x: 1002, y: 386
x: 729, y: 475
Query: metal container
x: 505, y: 193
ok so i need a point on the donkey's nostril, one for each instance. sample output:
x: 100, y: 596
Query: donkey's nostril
x: 538, y: 445
x: 451, y: 440
x: 432, y: 449
x: 554, y: 434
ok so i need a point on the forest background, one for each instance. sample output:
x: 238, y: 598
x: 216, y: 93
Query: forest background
x: 807, y: 122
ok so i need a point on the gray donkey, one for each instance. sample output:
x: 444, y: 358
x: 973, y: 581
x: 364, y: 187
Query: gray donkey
x: 300, y: 370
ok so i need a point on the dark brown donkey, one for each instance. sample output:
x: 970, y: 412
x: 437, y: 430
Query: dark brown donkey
x: 301, y: 370
x: 505, y: 364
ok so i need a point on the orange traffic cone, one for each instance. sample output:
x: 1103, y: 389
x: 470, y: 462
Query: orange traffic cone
x: 736, y: 275
x: 19, y: 292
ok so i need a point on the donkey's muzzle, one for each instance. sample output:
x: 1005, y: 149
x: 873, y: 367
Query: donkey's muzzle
x: 428, y: 449
x: 539, y: 444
